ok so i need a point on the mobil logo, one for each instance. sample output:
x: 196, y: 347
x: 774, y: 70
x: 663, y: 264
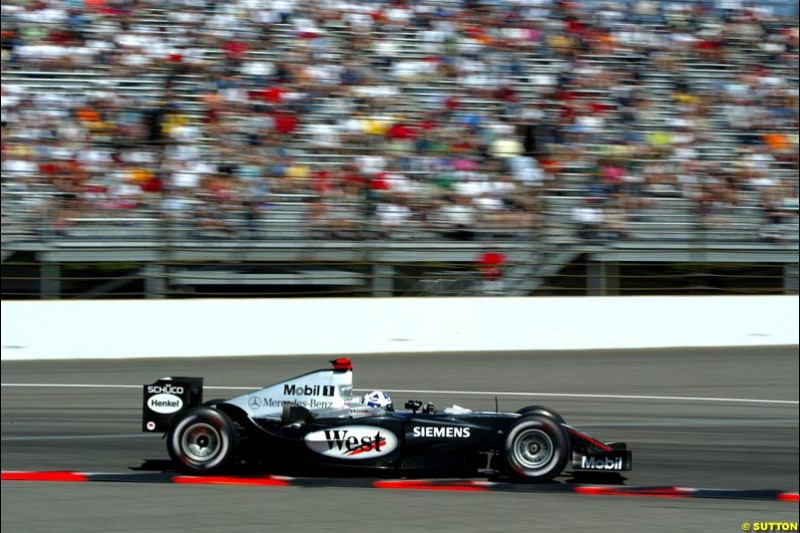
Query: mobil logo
x: 590, y: 462
x: 294, y: 389
x: 352, y: 442
x: 164, y: 403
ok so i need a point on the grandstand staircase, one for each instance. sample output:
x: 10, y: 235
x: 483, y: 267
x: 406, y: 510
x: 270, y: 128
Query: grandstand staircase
x: 525, y: 278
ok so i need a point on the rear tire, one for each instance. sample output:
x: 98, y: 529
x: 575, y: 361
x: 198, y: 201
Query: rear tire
x: 536, y: 449
x: 202, y: 441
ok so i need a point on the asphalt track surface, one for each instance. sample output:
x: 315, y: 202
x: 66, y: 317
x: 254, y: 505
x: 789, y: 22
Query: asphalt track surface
x: 686, y: 432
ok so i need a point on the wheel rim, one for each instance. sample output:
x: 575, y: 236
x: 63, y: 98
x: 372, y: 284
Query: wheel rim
x: 201, y: 442
x: 533, y: 449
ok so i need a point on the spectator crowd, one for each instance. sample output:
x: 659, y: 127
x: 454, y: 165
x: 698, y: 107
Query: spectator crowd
x: 432, y: 114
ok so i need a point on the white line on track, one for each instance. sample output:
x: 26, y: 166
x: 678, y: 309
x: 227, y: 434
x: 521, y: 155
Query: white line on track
x: 72, y: 385
x: 600, y: 396
x: 687, y: 422
x: 451, y: 393
x: 34, y: 438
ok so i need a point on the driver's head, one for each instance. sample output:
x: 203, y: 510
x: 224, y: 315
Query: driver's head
x: 378, y: 399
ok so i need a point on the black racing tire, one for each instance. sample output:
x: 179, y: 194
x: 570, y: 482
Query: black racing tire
x: 541, y: 410
x: 202, y: 441
x: 536, y: 449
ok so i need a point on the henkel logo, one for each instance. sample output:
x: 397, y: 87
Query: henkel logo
x: 352, y: 442
x: 308, y: 390
x: 591, y: 462
x: 164, y: 389
x: 164, y: 403
x: 444, y: 432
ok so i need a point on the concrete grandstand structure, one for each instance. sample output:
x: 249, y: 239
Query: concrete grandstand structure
x: 381, y: 147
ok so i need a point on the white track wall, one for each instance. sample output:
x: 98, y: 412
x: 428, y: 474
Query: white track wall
x: 188, y: 328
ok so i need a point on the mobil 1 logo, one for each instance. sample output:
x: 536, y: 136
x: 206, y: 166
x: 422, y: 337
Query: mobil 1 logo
x: 291, y: 389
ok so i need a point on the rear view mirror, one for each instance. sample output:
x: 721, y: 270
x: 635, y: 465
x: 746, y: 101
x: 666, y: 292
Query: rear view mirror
x: 293, y: 413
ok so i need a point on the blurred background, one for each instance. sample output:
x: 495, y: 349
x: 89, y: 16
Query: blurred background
x: 195, y: 148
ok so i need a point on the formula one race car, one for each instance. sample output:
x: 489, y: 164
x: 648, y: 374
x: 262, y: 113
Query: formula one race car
x: 314, y: 421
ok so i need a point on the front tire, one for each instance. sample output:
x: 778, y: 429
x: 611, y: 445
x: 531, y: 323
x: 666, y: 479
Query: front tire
x: 202, y: 441
x: 536, y: 449
x: 541, y: 410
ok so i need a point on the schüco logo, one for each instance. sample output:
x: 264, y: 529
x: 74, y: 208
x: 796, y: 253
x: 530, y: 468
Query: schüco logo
x: 164, y: 403
x: 352, y: 442
x: 601, y: 463
x: 165, y: 389
x: 447, y: 432
x: 308, y: 390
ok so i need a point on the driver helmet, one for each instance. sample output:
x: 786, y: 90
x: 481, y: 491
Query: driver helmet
x: 378, y: 399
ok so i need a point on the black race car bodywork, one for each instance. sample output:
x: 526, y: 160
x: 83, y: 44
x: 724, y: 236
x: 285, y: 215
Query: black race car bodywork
x: 313, y: 422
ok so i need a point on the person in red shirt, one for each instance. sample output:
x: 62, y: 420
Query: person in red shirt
x: 491, y: 265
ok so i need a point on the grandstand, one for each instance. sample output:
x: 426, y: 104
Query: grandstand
x: 197, y: 148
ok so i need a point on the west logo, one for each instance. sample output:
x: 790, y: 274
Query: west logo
x: 590, y: 462
x: 352, y: 445
x: 353, y: 442
x: 446, y: 432
x: 308, y: 390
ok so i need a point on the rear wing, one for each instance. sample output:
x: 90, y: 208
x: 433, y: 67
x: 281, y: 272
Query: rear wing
x: 166, y: 398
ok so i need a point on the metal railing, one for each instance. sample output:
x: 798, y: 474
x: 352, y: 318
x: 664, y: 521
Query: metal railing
x: 669, y: 246
x: 551, y: 219
x: 579, y: 271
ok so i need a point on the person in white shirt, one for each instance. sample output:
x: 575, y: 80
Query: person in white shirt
x: 589, y: 218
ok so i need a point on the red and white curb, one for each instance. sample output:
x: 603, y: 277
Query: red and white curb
x: 453, y: 485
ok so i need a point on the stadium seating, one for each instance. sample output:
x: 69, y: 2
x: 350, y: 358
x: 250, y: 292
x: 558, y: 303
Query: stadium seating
x: 660, y: 112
